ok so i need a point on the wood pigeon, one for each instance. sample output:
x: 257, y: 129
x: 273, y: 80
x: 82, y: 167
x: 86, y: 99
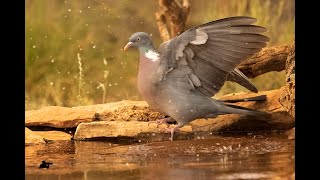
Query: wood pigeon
x: 180, y: 78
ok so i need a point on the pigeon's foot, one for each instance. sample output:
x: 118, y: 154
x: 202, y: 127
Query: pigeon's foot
x: 162, y: 121
x: 174, y: 129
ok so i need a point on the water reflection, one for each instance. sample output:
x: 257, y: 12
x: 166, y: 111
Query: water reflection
x: 215, y: 158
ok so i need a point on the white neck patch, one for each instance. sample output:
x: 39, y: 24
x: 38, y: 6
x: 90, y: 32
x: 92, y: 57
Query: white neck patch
x: 152, y: 55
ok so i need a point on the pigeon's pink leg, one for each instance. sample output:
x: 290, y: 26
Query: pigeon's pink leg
x: 174, y: 129
x: 162, y: 121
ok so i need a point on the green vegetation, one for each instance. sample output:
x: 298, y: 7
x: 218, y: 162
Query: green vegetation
x: 57, y: 31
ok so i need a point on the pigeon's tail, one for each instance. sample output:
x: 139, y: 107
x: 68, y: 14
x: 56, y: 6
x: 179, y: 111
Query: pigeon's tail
x: 233, y: 109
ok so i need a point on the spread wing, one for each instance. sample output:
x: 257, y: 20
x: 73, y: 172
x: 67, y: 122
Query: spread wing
x: 208, y: 55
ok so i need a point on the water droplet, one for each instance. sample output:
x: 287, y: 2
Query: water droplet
x: 34, y: 46
x: 88, y: 7
x: 110, y: 84
x: 115, y: 84
x: 51, y: 83
x: 94, y: 46
x: 45, y: 36
x: 155, y: 155
x: 127, y: 164
x: 80, y: 11
x: 88, y: 92
x: 63, y: 88
x: 68, y: 72
x: 59, y: 72
x: 218, y: 144
x: 52, y: 60
x: 197, y: 155
x: 139, y: 141
x: 69, y: 10
x: 65, y: 2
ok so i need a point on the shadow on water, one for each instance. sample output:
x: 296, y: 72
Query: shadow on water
x: 251, y: 156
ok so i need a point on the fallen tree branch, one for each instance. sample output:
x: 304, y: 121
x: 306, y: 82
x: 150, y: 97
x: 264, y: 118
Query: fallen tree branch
x: 267, y: 60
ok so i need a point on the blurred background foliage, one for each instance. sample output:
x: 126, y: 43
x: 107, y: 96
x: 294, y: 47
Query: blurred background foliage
x: 74, y: 48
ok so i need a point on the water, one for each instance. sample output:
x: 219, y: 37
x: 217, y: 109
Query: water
x: 218, y: 157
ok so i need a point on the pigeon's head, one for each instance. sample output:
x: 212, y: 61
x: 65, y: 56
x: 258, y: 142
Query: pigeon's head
x: 140, y: 40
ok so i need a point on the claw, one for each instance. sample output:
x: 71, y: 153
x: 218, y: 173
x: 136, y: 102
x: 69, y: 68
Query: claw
x: 172, y: 130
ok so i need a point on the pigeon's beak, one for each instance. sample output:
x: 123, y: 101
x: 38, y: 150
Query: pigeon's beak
x: 127, y: 46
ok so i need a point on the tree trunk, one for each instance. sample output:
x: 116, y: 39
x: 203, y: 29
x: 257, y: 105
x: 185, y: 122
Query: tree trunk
x: 171, y: 17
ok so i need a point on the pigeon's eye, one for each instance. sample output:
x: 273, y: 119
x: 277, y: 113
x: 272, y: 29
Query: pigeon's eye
x: 138, y: 39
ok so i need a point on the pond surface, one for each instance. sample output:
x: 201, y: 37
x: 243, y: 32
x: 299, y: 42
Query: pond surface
x: 249, y: 156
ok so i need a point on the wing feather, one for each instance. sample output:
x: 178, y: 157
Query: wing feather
x: 208, y: 54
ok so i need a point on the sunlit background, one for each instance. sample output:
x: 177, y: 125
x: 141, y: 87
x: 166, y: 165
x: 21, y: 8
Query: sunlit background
x: 73, y: 48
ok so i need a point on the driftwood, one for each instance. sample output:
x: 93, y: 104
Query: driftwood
x: 287, y: 98
x: 268, y: 59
